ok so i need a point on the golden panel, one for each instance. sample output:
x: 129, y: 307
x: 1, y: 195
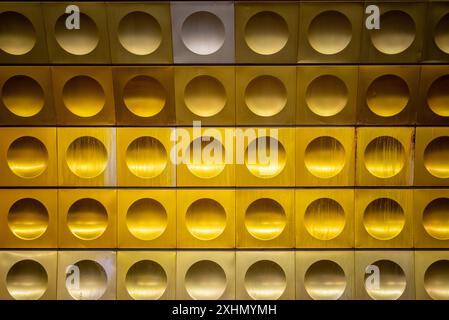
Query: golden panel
x: 384, y: 275
x: 266, y: 32
x: 86, y: 156
x: 265, y: 218
x: 431, y: 157
x: 324, y: 218
x: 83, y: 95
x: 265, y: 95
x: 87, y: 218
x: 86, y: 275
x: 388, y: 94
x: 140, y: 32
x: 265, y: 275
x: 384, y: 156
x: 144, y: 157
x: 28, y: 218
x: 148, y: 275
x: 147, y: 218
x: 436, y: 45
x: 205, y: 94
x: 325, y: 156
x: 28, y: 275
x: 26, y: 96
x: 22, y: 36
x: 327, y: 95
x: 265, y: 156
x: 432, y: 275
x: 88, y: 44
x: 400, y: 37
x: 206, y: 157
x: 384, y: 218
x: 205, y: 275
x: 324, y: 275
x: 433, y: 95
x: 206, y: 218
x: 144, y: 96
x: 28, y: 157
x: 329, y: 33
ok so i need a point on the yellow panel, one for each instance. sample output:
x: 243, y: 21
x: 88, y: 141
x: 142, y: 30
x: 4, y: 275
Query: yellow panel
x: 435, y: 46
x: 432, y: 275
x: 433, y: 95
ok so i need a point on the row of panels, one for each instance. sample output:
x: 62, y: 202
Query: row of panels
x: 211, y: 218
x: 225, y: 157
x: 224, y: 95
x: 210, y: 275
x: 224, y: 32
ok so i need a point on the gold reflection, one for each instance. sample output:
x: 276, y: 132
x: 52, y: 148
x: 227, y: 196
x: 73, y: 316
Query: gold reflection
x: 146, y: 280
x: 27, y: 280
x: 146, y: 219
x: 326, y: 95
x: 205, y: 280
x: 325, y: 157
x: 87, y: 157
x: 144, y: 96
x: 205, y: 96
x: 265, y: 280
x: 203, y: 162
x: 436, y: 157
x: 259, y: 158
x: 27, y: 157
x: 436, y: 280
x: 438, y: 96
x: 384, y: 219
x: 392, y: 281
x: 435, y: 219
x: 87, y: 219
x: 23, y: 96
x: 206, y: 219
x: 387, y: 95
x: 93, y: 281
x: 384, y: 157
x: 266, y: 96
x: 325, y: 280
x: 146, y: 157
x: 324, y: 219
x: 265, y: 219
x: 28, y: 219
x: 442, y: 34
x: 83, y: 96
x: 17, y: 34
x: 80, y: 41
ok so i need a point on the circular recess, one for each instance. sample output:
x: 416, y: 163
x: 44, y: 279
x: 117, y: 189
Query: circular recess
x: 324, y: 219
x: 384, y: 157
x: 384, y: 219
x: 438, y: 96
x: 387, y: 95
x: 144, y: 96
x: 205, y: 280
x: 435, y: 218
x: 139, y: 33
x: 436, y: 280
x: 87, y: 219
x: 83, y: 96
x: 206, y: 219
x: 265, y: 280
x: 28, y: 219
x: 436, y: 157
x: 392, y: 281
x: 146, y: 219
x: 146, y: 157
x: 27, y: 157
x: 27, y: 280
x: 205, y: 96
x: 330, y: 32
x: 17, y: 34
x: 325, y: 280
x: 265, y: 219
x: 205, y: 159
x: 87, y: 157
x: 23, y: 96
x: 326, y: 95
x: 442, y: 34
x: 265, y: 157
x: 93, y: 281
x: 325, y: 157
x: 146, y: 280
x: 266, y: 33
x: 397, y: 32
x: 266, y: 96
x: 80, y: 41
x: 203, y: 33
